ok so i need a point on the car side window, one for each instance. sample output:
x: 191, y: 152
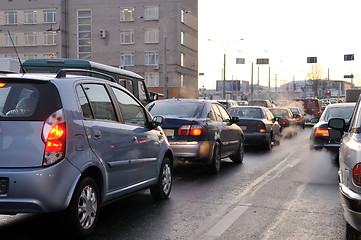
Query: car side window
x: 211, y: 114
x: 84, y: 103
x: 128, y: 84
x: 100, y: 102
x: 217, y: 113
x: 224, y: 114
x: 131, y: 110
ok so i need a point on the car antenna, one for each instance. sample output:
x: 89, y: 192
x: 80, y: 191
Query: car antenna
x: 21, y: 65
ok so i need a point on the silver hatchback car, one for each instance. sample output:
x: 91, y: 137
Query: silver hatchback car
x: 75, y: 143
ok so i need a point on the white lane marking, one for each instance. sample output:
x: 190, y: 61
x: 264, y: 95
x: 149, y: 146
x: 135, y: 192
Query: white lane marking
x: 218, y: 229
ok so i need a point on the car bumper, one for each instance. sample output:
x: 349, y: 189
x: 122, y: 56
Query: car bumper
x: 38, y: 190
x: 351, y: 203
x: 333, y: 147
x: 256, y: 138
x: 193, y: 150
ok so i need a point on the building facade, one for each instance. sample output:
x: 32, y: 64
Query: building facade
x: 157, y: 39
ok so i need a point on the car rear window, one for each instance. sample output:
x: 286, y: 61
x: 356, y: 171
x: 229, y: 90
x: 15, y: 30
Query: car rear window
x: 27, y: 100
x: 246, y: 112
x: 179, y: 109
x: 279, y: 112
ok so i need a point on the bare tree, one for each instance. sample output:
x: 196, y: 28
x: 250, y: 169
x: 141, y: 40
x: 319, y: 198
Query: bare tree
x: 314, y: 75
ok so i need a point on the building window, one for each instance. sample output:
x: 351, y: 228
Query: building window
x: 183, y: 60
x: 10, y: 39
x: 126, y: 14
x: 127, y: 59
x: 30, y: 39
x: 30, y: 56
x: 183, y: 38
x: 151, y: 79
x: 152, y: 35
x: 29, y: 17
x: 183, y: 16
x: 182, y: 80
x: 84, y: 34
x: 11, y: 56
x: 11, y: 18
x: 151, y: 59
x: 49, y: 38
x: 127, y: 36
x: 49, y: 16
x: 151, y: 13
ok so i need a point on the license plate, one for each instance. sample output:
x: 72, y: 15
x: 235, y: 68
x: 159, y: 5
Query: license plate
x: 169, y: 132
x: 3, y: 185
x: 244, y: 128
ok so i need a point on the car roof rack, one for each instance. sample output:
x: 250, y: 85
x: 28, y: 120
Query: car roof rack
x: 62, y: 73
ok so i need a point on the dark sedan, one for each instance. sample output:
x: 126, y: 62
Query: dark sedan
x: 200, y: 131
x: 258, y: 124
x: 324, y: 137
x: 299, y: 116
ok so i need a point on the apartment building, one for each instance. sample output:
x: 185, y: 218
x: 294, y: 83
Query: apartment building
x: 157, y: 39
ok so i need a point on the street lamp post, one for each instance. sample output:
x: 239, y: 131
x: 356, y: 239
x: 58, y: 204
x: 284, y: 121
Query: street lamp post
x: 165, y: 73
x: 224, y: 63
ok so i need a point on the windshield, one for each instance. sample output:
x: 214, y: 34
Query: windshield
x: 178, y: 109
x: 246, y: 112
x: 344, y: 112
x: 280, y: 113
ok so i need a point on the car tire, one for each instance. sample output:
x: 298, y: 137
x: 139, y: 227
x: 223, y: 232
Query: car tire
x: 268, y: 144
x: 83, y: 210
x: 238, y: 156
x: 216, y: 159
x: 162, y: 188
x: 351, y: 233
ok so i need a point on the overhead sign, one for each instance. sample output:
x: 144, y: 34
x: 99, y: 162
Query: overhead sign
x: 348, y: 76
x: 262, y: 61
x: 240, y: 60
x: 349, y: 57
x: 311, y: 59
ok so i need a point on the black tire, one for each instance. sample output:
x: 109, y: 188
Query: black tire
x: 161, y: 190
x: 268, y: 144
x: 351, y: 233
x: 215, y: 165
x: 238, y: 156
x: 83, y: 210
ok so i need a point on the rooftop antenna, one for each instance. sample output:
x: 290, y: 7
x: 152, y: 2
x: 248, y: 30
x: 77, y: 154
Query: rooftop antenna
x: 21, y: 65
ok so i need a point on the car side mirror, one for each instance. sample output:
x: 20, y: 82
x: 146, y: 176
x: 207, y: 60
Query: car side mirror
x: 276, y: 119
x: 157, y: 121
x: 234, y: 119
x: 337, y: 123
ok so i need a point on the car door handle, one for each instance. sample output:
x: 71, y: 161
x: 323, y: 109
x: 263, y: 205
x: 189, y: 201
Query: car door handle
x: 97, y: 135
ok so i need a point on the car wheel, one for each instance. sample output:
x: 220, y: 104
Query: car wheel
x: 216, y: 160
x: 268, y: 145
x: 351, y: 233
x: 83, y: 210
x: 238, y: 156
x: 161, y: 190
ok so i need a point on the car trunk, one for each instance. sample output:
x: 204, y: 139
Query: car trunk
x: 21, y: 144
x: 250, y: 125
x: 172, y: 125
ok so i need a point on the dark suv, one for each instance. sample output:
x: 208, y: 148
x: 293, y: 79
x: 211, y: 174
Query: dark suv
x: 75, y: 143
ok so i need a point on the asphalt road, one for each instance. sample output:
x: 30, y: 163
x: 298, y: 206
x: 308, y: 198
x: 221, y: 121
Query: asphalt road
x: 287, y: 193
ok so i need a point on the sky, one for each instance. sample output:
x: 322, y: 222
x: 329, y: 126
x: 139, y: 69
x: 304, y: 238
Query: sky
x: 285, y: 31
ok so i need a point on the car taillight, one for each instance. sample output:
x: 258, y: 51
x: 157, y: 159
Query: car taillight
x: 356, y: 174
x: 261, y: 128
x: 2, y: 85
x: 322, y: 132
x: 192, y: 130
x: 298, y: 119
x: 54, y: 137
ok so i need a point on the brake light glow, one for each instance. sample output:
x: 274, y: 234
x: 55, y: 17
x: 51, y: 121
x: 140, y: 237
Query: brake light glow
x: 54, y: 137
x: 192, y: 130
x: 262, y: 130
x: 322, y: 132
x: 356, y: 174
x: 2, y: 85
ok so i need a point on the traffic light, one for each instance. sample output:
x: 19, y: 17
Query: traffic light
x: 328, y: 93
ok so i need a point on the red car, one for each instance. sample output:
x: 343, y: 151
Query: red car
x: 311, y: 108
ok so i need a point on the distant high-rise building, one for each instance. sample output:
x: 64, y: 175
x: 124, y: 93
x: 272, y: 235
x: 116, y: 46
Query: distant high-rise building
x: 133, y: 35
